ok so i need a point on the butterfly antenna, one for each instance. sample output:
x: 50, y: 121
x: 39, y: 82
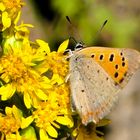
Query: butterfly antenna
x: 99, y: 31
x: 68, y: 19
x: 103, y: 25
x: 74, y: 29
x: 72, y: 38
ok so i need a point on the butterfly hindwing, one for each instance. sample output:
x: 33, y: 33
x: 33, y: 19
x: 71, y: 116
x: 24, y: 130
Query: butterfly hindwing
x: 91, y: 87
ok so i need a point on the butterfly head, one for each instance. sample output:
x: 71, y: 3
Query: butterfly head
x: 79, y: 46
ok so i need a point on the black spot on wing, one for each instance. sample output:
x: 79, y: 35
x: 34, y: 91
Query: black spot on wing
x: 92, y: 56
x: 67, y: 59
x: 101, y: 57
x: 125, y: 74
x: 116, y: 66
x: 121, y: 80
x: 82, y: 90
x: 123, y: 58
x: 116, y: 74
x: 123, y: 64
x: 88, y: 66
x: 111, y: 58
x: 76, y: 58
x: 116, y: 84
x: 121, y: 53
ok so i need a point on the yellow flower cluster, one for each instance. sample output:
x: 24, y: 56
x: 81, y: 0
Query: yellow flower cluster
x: 10, y: 123
x: 34, y: 97
x: 9, y: 13
x: 32, y: 73
x: 32, y: 78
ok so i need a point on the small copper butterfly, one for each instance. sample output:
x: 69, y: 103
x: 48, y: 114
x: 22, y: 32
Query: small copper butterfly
x: 97, y: 74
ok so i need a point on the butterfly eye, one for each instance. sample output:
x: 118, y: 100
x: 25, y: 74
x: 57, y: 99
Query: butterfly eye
x: 79, y: 46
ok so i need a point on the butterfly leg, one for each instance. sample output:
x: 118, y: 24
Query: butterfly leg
x: 69, y: 52
x: 67, y: 77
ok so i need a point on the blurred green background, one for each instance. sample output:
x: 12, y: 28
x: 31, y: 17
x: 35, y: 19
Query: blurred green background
x: 87, y: 17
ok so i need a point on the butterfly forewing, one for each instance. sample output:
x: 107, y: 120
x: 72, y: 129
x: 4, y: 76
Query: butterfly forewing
x: 133, y: 58
x: 94, y: 85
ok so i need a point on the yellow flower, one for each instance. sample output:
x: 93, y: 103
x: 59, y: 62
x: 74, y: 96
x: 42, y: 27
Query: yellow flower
x: 89, y: 132
x: 9, y: 12
x: 28, y: 134
x: 6, y: 21
x: 47, y: 117
x: 10, y: 123
x: 56, y: 110
x: 56, y: 61
x: 19, y: 32
x: 19, y: 74
x: 39, y: 75
x: 22, y: 31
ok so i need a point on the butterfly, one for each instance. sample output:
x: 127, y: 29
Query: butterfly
x: 97, y: 75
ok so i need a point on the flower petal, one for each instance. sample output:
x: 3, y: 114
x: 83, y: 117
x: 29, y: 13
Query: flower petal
x: 28, y: 134
x: 51, y: 131
x: 103, y: 122
x: 27, y: 100
x: 6, y: 20
x: 26, y: 121
x: 44, y: 47
x: 57, y: 79
x: 17, y: 18
x: 65, y: 121
x: 43, y: 135
x: 7, y: 91
x: 17, y: 113
x: 2, y: 7
x: 39, y: 93
x: 8, y: 110
x: 63, y: 46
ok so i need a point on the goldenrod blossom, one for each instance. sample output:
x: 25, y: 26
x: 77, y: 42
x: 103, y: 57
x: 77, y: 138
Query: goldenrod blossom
x: 9, y: 11
x: 18, y: 73
x: 10, y: 123
x: 47, y: 117
x: 56, y: 110
x: 55, y: 61
x: 33, y: 78
x: 22, y: 31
